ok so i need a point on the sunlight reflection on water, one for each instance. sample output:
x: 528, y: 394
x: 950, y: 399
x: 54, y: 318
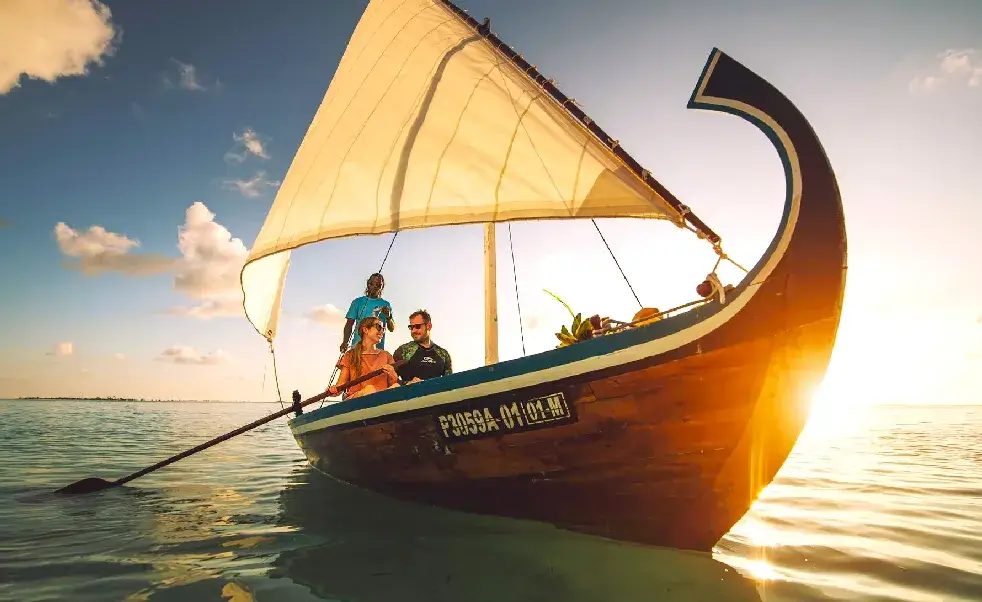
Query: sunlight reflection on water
x: 874, y: 502
x: 879, y: 506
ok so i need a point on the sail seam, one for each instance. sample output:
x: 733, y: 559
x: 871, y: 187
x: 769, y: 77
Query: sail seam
x: 327, y: 138
x: 357, y: 137
x: 507, y: 157
x: 412, y: 113
x: 460, y: 119
x: 521, y: 124
x: 609, y: 144
x: 354, y: 62
x: 433, y: 82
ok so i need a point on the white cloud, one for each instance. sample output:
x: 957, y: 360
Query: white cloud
x: 924, y: 83
x: 252, y: 187
x: 210, y: 308
x: 181, y: 354
x: 328, y: 315
x: 64, y: 349
x: 208, y: 271
x: 97, y: 250
x: 961, y: 65
x: 957, y: 61
x: 49, y: 39
x: 186, y: 77
x: 248, y: 143
x: 533, y: 322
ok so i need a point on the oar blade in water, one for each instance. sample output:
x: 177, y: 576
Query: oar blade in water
x: 96, y: 484
x: 88, y: 485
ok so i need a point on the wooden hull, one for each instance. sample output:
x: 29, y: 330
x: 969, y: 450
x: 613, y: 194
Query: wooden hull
x: 661, y: 435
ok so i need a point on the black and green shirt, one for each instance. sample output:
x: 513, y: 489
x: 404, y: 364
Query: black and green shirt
x: 422, y: 362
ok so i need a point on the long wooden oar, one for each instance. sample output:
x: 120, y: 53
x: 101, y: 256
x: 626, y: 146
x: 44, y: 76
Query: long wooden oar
x: 92, y: 484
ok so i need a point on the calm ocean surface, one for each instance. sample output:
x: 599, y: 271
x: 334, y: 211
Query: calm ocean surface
x: 879, y: 504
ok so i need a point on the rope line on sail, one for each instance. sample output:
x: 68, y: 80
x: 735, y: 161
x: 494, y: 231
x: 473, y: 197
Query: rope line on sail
x: 514, y: 273
x: 617, y: 263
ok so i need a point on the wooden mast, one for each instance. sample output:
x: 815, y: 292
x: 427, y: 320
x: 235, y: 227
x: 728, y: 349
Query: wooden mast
x: 490, y: 296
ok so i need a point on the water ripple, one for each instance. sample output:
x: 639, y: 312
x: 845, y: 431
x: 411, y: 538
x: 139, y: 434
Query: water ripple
x: 249, y: 520
x: 886, y: 508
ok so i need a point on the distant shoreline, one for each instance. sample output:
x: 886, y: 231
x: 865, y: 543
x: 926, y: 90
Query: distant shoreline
x: 141, y: 400
x: 129, y: 399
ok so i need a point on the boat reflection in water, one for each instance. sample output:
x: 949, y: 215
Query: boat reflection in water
x: 367, y: 547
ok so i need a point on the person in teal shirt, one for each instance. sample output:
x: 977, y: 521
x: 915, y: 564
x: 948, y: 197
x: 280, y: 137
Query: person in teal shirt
x: 370, y: 304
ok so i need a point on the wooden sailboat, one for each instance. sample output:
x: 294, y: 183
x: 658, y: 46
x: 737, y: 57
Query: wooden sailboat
x: 662, y: 434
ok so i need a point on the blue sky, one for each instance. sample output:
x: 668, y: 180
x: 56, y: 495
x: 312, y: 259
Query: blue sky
x: 165, y: 119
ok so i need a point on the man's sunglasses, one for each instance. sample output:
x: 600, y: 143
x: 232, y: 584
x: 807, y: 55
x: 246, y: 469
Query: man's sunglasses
x: 416, y: 326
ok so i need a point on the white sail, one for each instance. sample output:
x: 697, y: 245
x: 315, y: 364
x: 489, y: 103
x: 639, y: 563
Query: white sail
x: 426, y: 124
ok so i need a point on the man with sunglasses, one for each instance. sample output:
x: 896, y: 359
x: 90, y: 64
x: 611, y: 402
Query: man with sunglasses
x: 424, y: 358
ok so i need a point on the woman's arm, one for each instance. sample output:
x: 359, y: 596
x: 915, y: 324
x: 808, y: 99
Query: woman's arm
x: 389, y: 368
x: 343, y: 377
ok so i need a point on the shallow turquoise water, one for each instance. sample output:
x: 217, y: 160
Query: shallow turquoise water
x: 884, y: 506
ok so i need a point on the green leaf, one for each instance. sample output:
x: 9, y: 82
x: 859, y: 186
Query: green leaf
x: 577, y: 319
x: 553, y: 295
x: 585, y: 328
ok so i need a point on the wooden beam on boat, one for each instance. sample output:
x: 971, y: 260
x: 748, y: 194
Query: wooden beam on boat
x: 490, y: 296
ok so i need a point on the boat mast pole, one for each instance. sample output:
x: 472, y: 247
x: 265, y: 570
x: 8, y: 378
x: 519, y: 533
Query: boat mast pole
x: 490, y: 296
x: 484, y: 30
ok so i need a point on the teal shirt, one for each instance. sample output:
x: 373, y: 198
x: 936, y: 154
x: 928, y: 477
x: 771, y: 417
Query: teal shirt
x: 363, y: 307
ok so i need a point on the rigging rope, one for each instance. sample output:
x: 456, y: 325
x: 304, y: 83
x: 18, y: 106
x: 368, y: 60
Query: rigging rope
x: 719, y: 251
x: 616, y: 262
x: 262, y: 391
x: 386, y: 258
x: 514, y: 273
x: 275, y: 375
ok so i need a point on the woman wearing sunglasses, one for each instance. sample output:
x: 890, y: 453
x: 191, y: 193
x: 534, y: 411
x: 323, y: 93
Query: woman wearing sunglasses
x: 363, y: 358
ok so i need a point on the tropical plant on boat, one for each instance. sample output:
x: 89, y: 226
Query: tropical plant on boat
x: 581, y: 329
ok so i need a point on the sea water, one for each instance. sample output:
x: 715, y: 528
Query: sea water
x: 885, y: 504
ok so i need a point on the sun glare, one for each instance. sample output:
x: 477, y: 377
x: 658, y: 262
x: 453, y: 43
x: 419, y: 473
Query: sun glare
x: 834, y: 412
